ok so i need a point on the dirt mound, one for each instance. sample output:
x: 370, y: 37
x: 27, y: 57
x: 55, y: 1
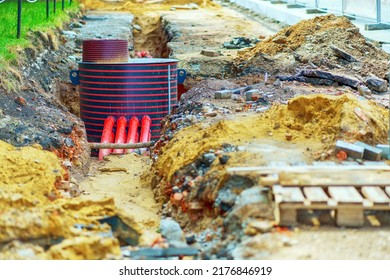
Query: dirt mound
x: 32, y: 209
x: 315, y: 121
x: 86, y: 248
x: 129, y: 187
x: 28, y: 171
x: 291, y: 38
x: 206, y: 89
x: 310, y: 42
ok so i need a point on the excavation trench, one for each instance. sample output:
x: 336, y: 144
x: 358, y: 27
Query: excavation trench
x: 127, y: 179
x: 189, y: 180
x: 117, y: 187
x: 149, y: 35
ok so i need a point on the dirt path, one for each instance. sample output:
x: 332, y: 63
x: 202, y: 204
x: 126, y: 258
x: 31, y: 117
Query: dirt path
x: 228, y: 217
x: 125, y: 178
x: 318, y: 244
x: 119, y: 177
x: 107, y: 25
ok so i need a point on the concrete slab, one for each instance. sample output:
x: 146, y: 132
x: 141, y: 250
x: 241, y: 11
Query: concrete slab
x: 377, y: 26
x: 386, y: 47
x: 385, y: 150
x: 370, y: 152
x: 314, y: 11
x: 295, y: 6
x: 353, y: 151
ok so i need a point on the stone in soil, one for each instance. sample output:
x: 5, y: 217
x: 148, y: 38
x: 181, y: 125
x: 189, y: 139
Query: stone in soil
x: 172, y: 231
x: 258, y: 226
x: 377, y: 84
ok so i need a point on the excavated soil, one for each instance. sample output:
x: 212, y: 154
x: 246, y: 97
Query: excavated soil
x: 304, y: 130
x: 125, y: 179
x: 44, y: 216
x: 295, y: 36
x: 37, y: 208
x: 310, y: 41
x: 151, y: 36
x: 310, y: 120
x: 191, y: 36
x: 28, y: 171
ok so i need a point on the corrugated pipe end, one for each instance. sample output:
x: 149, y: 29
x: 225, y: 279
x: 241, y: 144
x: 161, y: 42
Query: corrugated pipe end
x: 132, y: 136
x: 107, y: 137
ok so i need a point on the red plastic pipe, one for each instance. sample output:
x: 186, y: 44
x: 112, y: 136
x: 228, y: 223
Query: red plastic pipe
x: 107, y: 137
x: 120, y: 136
x: 112, y: 138
x: 145, y: 129
x: 132, y: 136
x: 143, y: 54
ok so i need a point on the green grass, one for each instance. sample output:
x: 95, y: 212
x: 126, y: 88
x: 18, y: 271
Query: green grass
x: 33, y: 18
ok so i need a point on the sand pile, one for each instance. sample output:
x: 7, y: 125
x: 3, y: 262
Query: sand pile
x: 310, y: 121
x: 127, y: 180
x: 311, y: 40
x: 32, y: 209
x: 293, y: 37
x: 27, y: 175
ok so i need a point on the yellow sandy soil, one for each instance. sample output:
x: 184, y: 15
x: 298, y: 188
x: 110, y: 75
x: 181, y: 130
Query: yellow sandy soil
x: 126, y: 180
x: 315, y: 121
x: 90, y: 248
x: 21, y: 170
x: 31, y: 210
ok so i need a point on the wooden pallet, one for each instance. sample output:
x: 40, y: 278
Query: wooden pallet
x: 348, y: 202
x: 318, y: 175
x: 348, y: 188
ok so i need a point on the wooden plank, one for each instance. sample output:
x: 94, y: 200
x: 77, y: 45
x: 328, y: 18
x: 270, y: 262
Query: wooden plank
x: 324, y: 163
x: 307, y: 168
x: 345, y: 194
x: 269, y: 180
x: 350, y: 217
x: 337, y: 178
x: 291, y: 195
x: 387, y: 190
x: 333, y: 205
x: 349, y: 163
x: 373, y: 221
x: 332, y: 202
x: 368, y: 204
x: 121, y: 145
x: 282, y: 164
x: 322, y: 175
x: 277, y: 192
x: 316, y: 222
x: 315, y: 194
x: 287, y: 217
x: 375, y: 194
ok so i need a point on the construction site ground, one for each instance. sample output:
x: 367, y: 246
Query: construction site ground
x: 184, y: 192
